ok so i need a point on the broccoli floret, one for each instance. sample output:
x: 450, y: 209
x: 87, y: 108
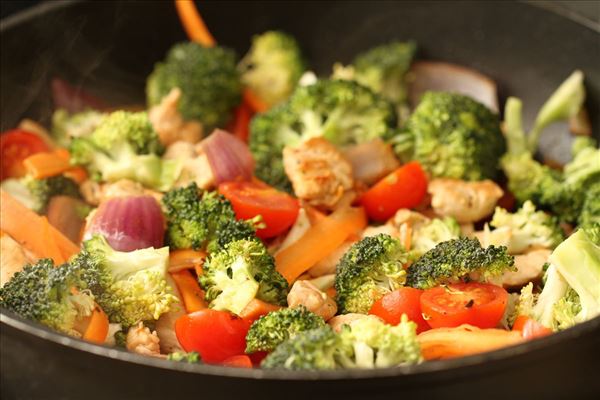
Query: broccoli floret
x: 369, y: 269
x: 125, y: 146
x: 454, y: 260
x: 342, y: 112
x: 198, y: 220
x: 129, y: 286
x: 207, y: 77
x: 452, y: 136
x: 273, y: 66
x: 67, y: 126
x: 528, y: 228
x: 309, y: 350
x: 55, y: 296
x: 371, y: 343
x: 190, y: 358
x: 368, y: 343
x: 590, y: 211
x: 382, y: 69
x: 272, y: 329
x: 426, y: 236
x: 42, y: 190
x: 244, y: 270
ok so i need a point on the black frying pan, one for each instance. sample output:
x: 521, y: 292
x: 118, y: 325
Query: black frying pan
x: 109, y: 48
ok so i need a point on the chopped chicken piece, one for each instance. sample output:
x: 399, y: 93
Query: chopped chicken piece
x: 165, y: 326
x: 13, y: 258
x: 196, y: 167
x: 318, y: 171
x: 406, y: 216
x: 327, y: 265
x: 339, y: 321
x: 376, y: 230
x: 140, y: 340
x: 529, y: 268
x: 95, y: 193
x: 180, y: 150
x: 169, y: 123
x: 306, y: 294
x: 465, y: 201
x: 371, y: 161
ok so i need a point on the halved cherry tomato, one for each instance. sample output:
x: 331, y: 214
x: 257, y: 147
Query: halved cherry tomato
x: 240, y: 361
x: 405, y: 300
x: 15, y: 146
x: 249, y: 199
x: 403, y: 188
x: 215, y: 335
x: 530, y: 328
x: 257, y: 357
x: 478, y: 304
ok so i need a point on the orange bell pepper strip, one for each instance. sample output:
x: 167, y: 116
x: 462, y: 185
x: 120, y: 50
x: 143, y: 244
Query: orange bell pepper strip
x: 257, y: 308
x: 32, y: 231
x: 193, y: 24
x: 97, y: 329
x: 47, y: 164
x: 321, y: 239
x: 192, y: 295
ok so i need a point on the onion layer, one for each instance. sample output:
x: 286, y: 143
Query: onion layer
x: 229, y: 157
x: 129, y: 223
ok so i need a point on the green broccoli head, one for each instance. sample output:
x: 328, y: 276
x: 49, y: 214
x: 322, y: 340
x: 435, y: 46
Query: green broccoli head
x: 244, y: 270
x: 42, y: 190
x: 125, y: 146
x: 426, y: 236
x: 342, y: 112
x: 454, y: 260
x: 67, y: 126
x: 308, y: 350
x: 54, y: 296
x: 452, y: 136
x: 190, y: 358
x: 590, y: 211
x: 273, y: 66
x: 197, y: 219
x: 370, y: 343
x: 207, y: 77
x: 129, y: 286
x: 369, y: 269
x: 272, y: 329
x: 528, y: 227
x: 383, y: 69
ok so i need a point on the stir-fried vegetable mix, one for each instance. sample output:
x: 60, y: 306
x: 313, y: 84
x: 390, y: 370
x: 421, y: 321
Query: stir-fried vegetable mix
x: 327, y: 223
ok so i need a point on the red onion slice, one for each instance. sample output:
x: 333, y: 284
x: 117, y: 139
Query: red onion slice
x: 128, y: 223
x: 229, y: 157
x: 445, y: 77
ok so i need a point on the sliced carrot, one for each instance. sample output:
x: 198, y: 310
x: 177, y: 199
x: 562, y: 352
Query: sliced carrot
x: 198, y: 269
x: 313, y: 214
x: 252, y: 100
x: 321, y: 239
x: 193, y: 296
x: 193, y: 24
x: 51, y: 248
x: 257, y: 308
x: 97, y: 330
x: 32, y: 231
x: 47, y: 164
x: 186, y: 259
x: 78, y: 174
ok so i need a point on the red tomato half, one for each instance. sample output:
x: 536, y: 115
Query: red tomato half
x: 15, y: 146
x: 530, y: 328
x: 405, y: 300
x: 478, y: 304
x: 404, y: 188
x: 215, y: 335
x: 249, y: 199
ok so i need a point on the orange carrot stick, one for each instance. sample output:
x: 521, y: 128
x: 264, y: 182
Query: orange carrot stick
x: 51, y: 248
x: 186, y: 259
x: 321, y: 239
x: 47, y: 164
x: 193, y: 296
x: 257, y: 308
x: 193, y: 24
x: 98, y: 327
x: 78, y: 174
x: 31, y: 230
